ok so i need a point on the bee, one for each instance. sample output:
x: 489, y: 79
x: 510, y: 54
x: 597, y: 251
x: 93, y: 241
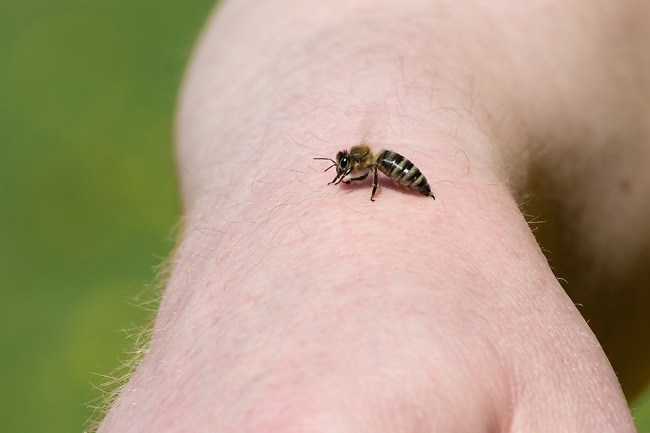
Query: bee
x: 359, y: 161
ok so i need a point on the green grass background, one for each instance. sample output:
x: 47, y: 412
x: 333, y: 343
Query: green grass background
x: 88, y: 195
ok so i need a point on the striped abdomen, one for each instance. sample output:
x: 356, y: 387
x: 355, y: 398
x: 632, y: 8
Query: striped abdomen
x: 402, y: 171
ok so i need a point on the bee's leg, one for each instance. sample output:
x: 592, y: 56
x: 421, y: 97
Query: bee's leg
x: 343, y: 176
x: 338, y: 175
x: 349, y: 181
x: 375, y: 184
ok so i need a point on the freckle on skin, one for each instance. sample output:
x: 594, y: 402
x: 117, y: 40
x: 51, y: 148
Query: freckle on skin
x: 625, y: 185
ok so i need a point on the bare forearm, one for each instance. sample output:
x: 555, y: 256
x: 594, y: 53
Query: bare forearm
x: 294, y: 305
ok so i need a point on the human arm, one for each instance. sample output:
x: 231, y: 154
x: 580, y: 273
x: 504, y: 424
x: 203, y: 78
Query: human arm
x: 293, y: 305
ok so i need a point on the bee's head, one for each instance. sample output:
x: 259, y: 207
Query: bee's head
x: 343, y: 166
x: 342, y: 161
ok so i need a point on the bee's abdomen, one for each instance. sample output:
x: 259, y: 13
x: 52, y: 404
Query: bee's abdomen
x: 402, y: 171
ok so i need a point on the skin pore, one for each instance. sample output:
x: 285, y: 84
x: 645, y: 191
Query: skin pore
x: 294, y: 306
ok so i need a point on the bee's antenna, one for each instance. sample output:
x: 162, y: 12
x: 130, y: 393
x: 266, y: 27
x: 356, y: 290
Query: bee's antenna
x: 329, y: 159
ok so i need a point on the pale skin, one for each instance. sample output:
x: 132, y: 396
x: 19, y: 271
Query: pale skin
x: 294, y: 306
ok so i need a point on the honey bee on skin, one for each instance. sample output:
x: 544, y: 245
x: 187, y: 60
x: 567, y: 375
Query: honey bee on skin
x: 359, y: 161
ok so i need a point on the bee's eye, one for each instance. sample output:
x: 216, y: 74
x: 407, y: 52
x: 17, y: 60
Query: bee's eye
x: 344, y: 161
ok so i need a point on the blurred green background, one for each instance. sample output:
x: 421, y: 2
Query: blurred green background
x: 88, y: 193
x: 87, y: 190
